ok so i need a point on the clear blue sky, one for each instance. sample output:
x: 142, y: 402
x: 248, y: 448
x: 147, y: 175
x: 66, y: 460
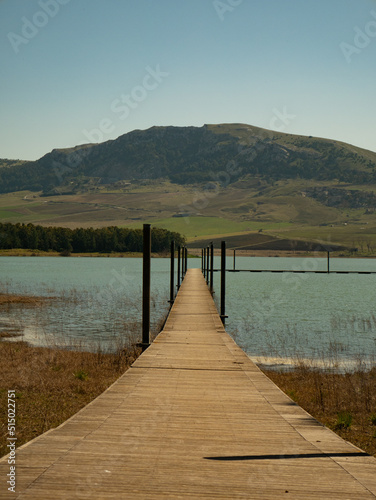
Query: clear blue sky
x: 71, y: 66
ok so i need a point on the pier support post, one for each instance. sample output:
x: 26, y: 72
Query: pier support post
x: 328, y: 259
x: 205, y: 269
x: 207, y: 265
x: 234, y: 258
x: 186, y: 260
x: 146, y: 268
x: 182, y: 263
x: 204, y: 261
x: 172, y: 270
x: 211, y: 287
x: 223, y: 281
x: 178, y: 280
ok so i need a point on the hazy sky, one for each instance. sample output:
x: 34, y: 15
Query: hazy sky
x: 78, y: 71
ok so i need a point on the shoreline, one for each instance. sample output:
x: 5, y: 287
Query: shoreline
x: 283, y: 253
x: 192, y: 253
x: 15, y: 298
x: 39, y: 253
x: 337, y: 366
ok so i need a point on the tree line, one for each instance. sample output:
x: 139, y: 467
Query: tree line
x: 83, y: 240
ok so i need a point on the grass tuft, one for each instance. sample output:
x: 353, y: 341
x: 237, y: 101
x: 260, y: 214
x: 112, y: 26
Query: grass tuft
x: 344, y: 420
x: 81, y: 375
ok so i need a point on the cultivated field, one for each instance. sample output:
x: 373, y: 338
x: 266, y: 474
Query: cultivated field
x: 282, y: 210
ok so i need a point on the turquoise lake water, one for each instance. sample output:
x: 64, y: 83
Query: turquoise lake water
x: 274, y: 317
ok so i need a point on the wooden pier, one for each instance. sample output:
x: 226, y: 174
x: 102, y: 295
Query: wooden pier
x: 193, y: 418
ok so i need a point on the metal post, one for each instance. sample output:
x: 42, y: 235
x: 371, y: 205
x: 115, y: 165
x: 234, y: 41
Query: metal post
x: 211, y: 268
x: 146, y: 268
x: 178, y: 283
x: 204, y: 261
x: 328, y: 271
x: 172, y: 270
x: 205, y: 268
x: 207, y: 265
x: 234, y: 258
x: 182, y: 263
x: 223, y: 281
x: 186, y: 260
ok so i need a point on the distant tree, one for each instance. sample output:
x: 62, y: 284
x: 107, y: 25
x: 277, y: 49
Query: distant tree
x: 107, y: 239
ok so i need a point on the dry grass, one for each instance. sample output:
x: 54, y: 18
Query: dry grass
x: 7, y: 298
x: 346, y: 403
x: 53, y: 384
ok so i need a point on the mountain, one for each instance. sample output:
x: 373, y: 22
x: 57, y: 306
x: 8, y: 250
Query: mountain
x: 224, y: 154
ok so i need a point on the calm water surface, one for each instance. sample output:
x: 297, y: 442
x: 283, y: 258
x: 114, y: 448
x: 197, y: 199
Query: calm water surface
x: 319, y: 316
x: 98, y: 300
x: 274, y: 317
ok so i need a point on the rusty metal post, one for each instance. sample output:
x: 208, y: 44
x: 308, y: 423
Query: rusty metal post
x: 223, y: 282
x: 211, y: 287
x: 146, y: 271
x: 172, y: 270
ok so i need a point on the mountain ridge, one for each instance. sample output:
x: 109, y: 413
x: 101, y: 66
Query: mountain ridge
x: 192, y: 155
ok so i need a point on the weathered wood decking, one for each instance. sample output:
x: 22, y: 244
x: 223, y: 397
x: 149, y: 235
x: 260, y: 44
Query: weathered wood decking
x: 192, y: 418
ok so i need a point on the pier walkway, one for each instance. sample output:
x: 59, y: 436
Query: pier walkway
x: 193, y: 418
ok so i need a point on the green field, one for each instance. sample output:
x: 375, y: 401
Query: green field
x: 8, y: 214
x: 361, y: 236
x: 200, y: 227
x: 280, y: 209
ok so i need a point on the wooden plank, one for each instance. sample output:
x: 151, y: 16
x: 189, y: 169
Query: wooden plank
x: 193, y: 418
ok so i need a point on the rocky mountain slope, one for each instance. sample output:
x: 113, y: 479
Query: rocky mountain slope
x: 224, y: 154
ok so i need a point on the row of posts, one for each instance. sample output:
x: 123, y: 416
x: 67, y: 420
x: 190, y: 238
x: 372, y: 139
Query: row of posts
x: 182, y: 262
x: 207, y: 268
x: 182, y: 265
